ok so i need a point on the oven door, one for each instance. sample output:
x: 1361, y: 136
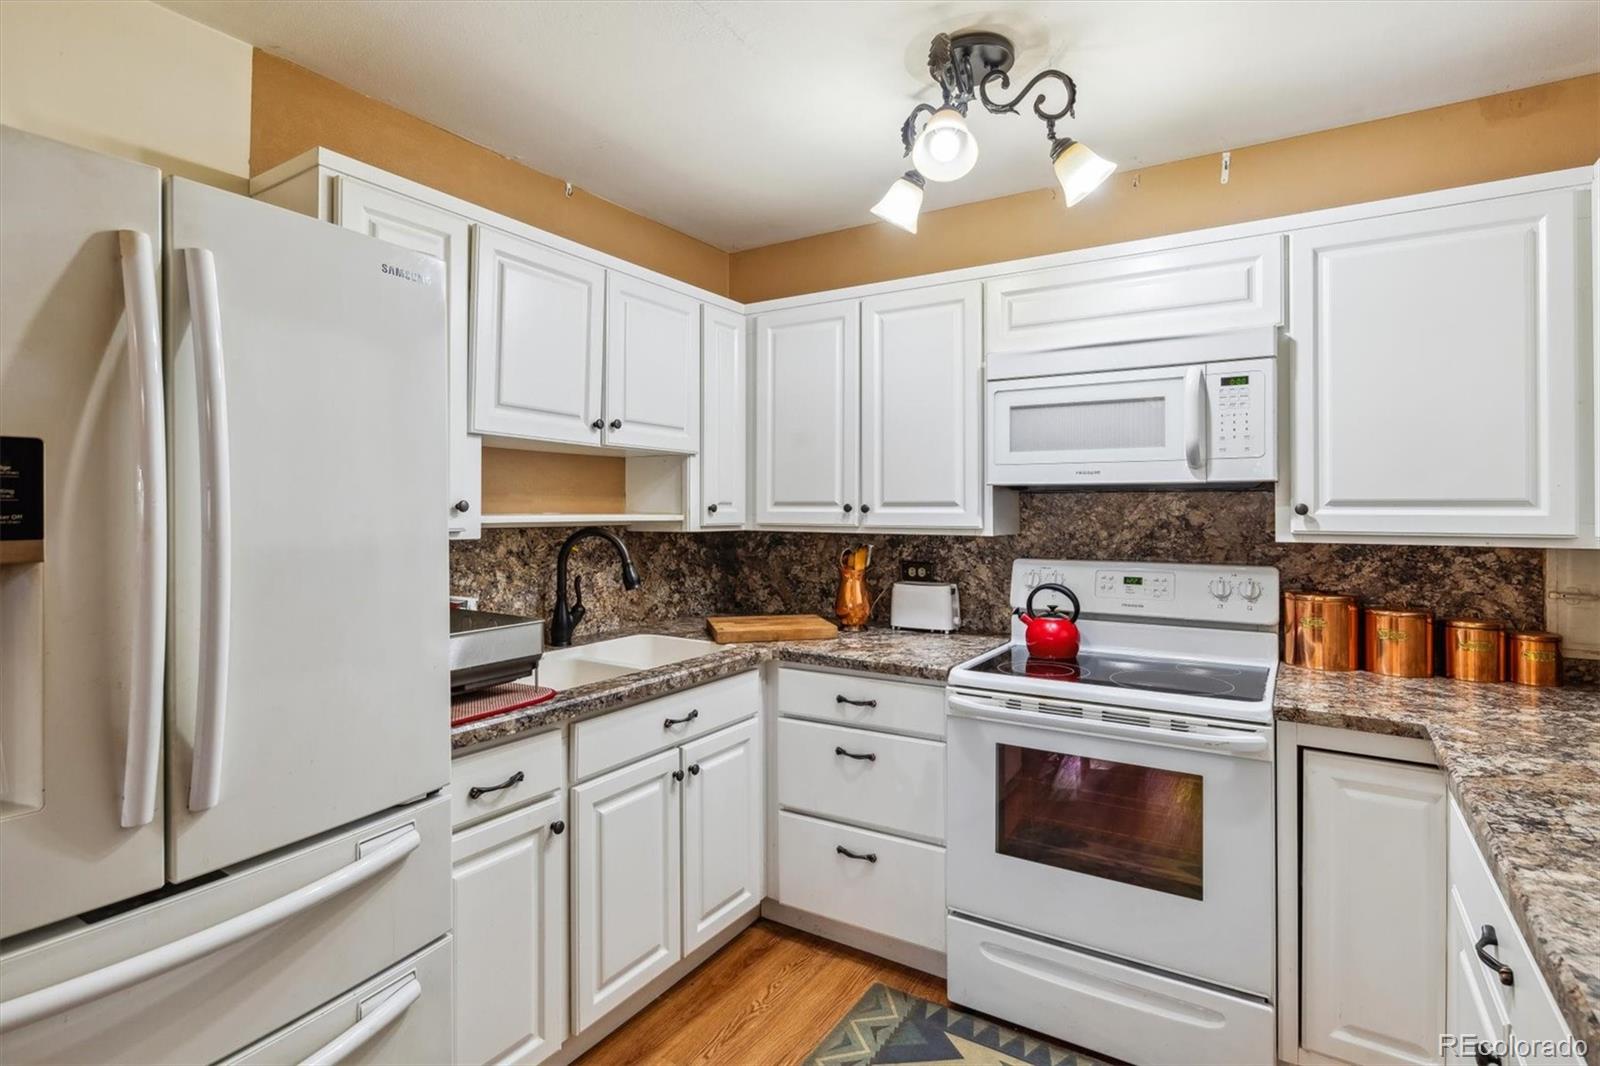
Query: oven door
x: 1121, y: 427
x: 1146, y: 836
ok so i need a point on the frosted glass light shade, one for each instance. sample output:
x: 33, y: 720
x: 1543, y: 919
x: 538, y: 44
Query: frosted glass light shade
x: 1080, y: 171
x: 945, y: 149
x: 902, y: 203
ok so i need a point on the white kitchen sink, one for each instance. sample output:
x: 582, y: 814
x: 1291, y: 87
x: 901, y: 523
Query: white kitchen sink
x: 565, y: 668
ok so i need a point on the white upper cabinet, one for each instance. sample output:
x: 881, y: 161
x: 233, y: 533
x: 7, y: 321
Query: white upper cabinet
x: 412, y: 224
x: 921, y: 408
x: 724, y: 429
x: 1435, y: 373
x: 538, y: 317
x: 1207, y: 288
x: 808, y: 412
x: 652, y: 367
x: 724, y: 814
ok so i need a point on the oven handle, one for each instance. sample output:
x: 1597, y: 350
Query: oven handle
x: 1244, y: 744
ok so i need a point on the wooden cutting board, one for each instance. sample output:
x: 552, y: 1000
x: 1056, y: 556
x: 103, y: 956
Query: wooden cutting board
x: 747, y: 628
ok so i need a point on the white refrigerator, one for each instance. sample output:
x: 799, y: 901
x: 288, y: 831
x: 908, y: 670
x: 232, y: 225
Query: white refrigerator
x: 223, y: 673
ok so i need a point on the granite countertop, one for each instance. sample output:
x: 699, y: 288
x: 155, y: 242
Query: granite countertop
x: 1524, y: 763
x: 925, y: 656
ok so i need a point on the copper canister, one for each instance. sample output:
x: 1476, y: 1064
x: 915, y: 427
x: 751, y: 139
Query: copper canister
x: 1536, y: 658
x: 1475, y: 649
x: 1321, y: 631
x: 1399, y: 643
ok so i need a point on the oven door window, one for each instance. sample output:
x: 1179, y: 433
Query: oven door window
x: 1120, y: 821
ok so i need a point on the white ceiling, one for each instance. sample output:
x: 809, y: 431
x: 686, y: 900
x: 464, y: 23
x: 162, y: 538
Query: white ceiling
x: 745, y: 123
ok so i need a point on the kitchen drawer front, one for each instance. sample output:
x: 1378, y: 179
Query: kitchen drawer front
x: 900, y: 789
x: 398, y: 1018
x: 541, y: 760
x: 869, y: 702
x: 1107, y: 1007
x: 223, y: 1000
x: 610, y: 740
x: 899, y: 895
x: 1475, y: 900
x: 1208, y: 288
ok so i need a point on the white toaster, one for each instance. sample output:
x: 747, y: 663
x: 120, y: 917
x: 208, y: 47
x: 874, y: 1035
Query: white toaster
x: 931, y: 605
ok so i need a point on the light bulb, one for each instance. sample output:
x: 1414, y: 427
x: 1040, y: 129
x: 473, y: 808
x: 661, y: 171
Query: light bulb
x: 946, y: 149
x: 1079, y: 170
x: 902, y: 203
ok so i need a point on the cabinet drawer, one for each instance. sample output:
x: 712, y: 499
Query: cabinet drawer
x: 900, y: 893
x: 871, y: 702
x: 622, y: 736
x: 899, y: 789
x: 400, y: 1017
x: 1475, y: 901
x: 541, y: 760
x: 224, y: 999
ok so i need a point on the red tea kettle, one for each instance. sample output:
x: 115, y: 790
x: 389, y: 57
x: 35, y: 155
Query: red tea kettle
x: 1051, y: 635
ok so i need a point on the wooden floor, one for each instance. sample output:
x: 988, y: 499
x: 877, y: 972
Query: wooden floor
x: 766, y: 999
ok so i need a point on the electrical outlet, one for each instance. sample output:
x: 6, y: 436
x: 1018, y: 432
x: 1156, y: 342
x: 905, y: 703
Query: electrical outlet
x: 916, y: 570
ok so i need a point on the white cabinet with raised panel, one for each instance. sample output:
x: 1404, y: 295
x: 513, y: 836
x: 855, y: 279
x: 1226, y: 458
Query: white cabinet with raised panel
x: 723, y: 816
x: 808, y: 415
x: 921, y: 408
x: 412, y: 224
x: 652, y: 367
x: 724, y: 426
x: 1372, y: 913
x: 538, y: 322
x: 1434, y: 380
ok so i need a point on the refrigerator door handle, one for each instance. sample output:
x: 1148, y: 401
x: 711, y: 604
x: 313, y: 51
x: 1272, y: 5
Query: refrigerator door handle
x: 142, y: 762
x: 385, y: 851
x: 377, y: 1012
x: 205, y: 783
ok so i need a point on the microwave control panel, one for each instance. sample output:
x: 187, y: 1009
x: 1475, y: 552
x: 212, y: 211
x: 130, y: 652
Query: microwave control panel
x: 1238, y: 403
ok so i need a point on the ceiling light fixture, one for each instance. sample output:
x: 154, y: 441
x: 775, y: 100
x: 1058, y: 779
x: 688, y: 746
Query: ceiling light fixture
x: 965, y: 66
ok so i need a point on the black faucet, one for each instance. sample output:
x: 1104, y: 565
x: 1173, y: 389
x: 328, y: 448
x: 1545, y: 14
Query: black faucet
x: 567, y: 617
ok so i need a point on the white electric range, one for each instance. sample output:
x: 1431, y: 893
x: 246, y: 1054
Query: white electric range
x: 1110, y: 819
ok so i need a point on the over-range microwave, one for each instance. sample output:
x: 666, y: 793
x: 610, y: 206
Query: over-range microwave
x: 1184, y: 411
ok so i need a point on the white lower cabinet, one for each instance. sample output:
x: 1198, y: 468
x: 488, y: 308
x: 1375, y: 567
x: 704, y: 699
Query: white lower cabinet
x: 510, y: 891
x: 723, y: 813
x: 1372, y: 921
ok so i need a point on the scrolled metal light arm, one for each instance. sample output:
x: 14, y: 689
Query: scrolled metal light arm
x: 908, y: 129
x: 1050, y: 118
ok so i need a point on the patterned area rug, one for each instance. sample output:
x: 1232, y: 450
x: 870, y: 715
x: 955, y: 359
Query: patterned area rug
x: 891, y: 1026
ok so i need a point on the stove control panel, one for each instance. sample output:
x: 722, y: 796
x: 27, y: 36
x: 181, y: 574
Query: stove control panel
x: 1241, y: 595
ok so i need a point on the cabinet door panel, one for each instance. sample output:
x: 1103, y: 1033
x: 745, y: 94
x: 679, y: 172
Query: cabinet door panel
x: 1372, y: 918
x: 725, y: 376
x: 652, y: 366
x: 626, y: 907
x: 410, y: 224
x: 510, y: 900
x: 921, y: 408
x: 724, y: 811
x: 808, y: 415
x: 1434, y: 371
x: 537, y: 324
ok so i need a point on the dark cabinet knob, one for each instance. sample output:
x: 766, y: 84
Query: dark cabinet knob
x: 677, y: 775
x: 462, y: 507
x: 712, y: 508
x: 848, y: 508
x: 597, y: 423
x: 866, y: 507
x: 558, y: 827
x: 694, y: 768
x: 1301, y: 509
x: 616, y: 423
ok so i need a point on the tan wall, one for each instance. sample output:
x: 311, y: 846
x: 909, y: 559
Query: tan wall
x: 130, y: 79
x: 294, y: 109
x: 1548, y: 127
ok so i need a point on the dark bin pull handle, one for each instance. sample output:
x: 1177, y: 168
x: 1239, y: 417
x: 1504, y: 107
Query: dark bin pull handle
x: 855, y: 703
x: 870, y: 856
x: 867, y: 757
x: 1486, y: 940
x: 483, y: 790
x: 670, y: 722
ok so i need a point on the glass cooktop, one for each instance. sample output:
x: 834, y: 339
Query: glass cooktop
x: 1178, y: 676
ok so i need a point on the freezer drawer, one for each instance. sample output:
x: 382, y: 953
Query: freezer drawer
x: 175, y: 981
x: 399, y: 1018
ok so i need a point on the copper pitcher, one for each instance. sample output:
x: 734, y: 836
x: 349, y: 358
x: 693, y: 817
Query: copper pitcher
x: 852, y: 606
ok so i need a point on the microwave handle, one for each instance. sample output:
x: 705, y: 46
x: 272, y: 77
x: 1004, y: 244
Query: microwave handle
x: 1194, y: 417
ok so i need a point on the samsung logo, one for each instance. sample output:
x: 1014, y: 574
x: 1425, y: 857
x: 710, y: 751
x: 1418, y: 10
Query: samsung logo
x: 403, y: 274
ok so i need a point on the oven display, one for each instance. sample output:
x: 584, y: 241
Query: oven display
x: 1135, y: 824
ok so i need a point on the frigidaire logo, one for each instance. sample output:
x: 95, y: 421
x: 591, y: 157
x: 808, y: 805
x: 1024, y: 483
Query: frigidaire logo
x: 403, y: 274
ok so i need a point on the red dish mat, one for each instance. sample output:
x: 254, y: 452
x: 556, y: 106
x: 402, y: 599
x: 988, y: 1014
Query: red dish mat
x: 502, y: 699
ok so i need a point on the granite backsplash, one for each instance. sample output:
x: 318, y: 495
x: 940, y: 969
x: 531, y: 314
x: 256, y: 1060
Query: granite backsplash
x: 756, y: 572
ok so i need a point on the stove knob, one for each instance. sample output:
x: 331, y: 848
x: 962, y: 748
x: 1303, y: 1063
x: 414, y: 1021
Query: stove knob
x: 1250, y: 589
x: 1220, y: 588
